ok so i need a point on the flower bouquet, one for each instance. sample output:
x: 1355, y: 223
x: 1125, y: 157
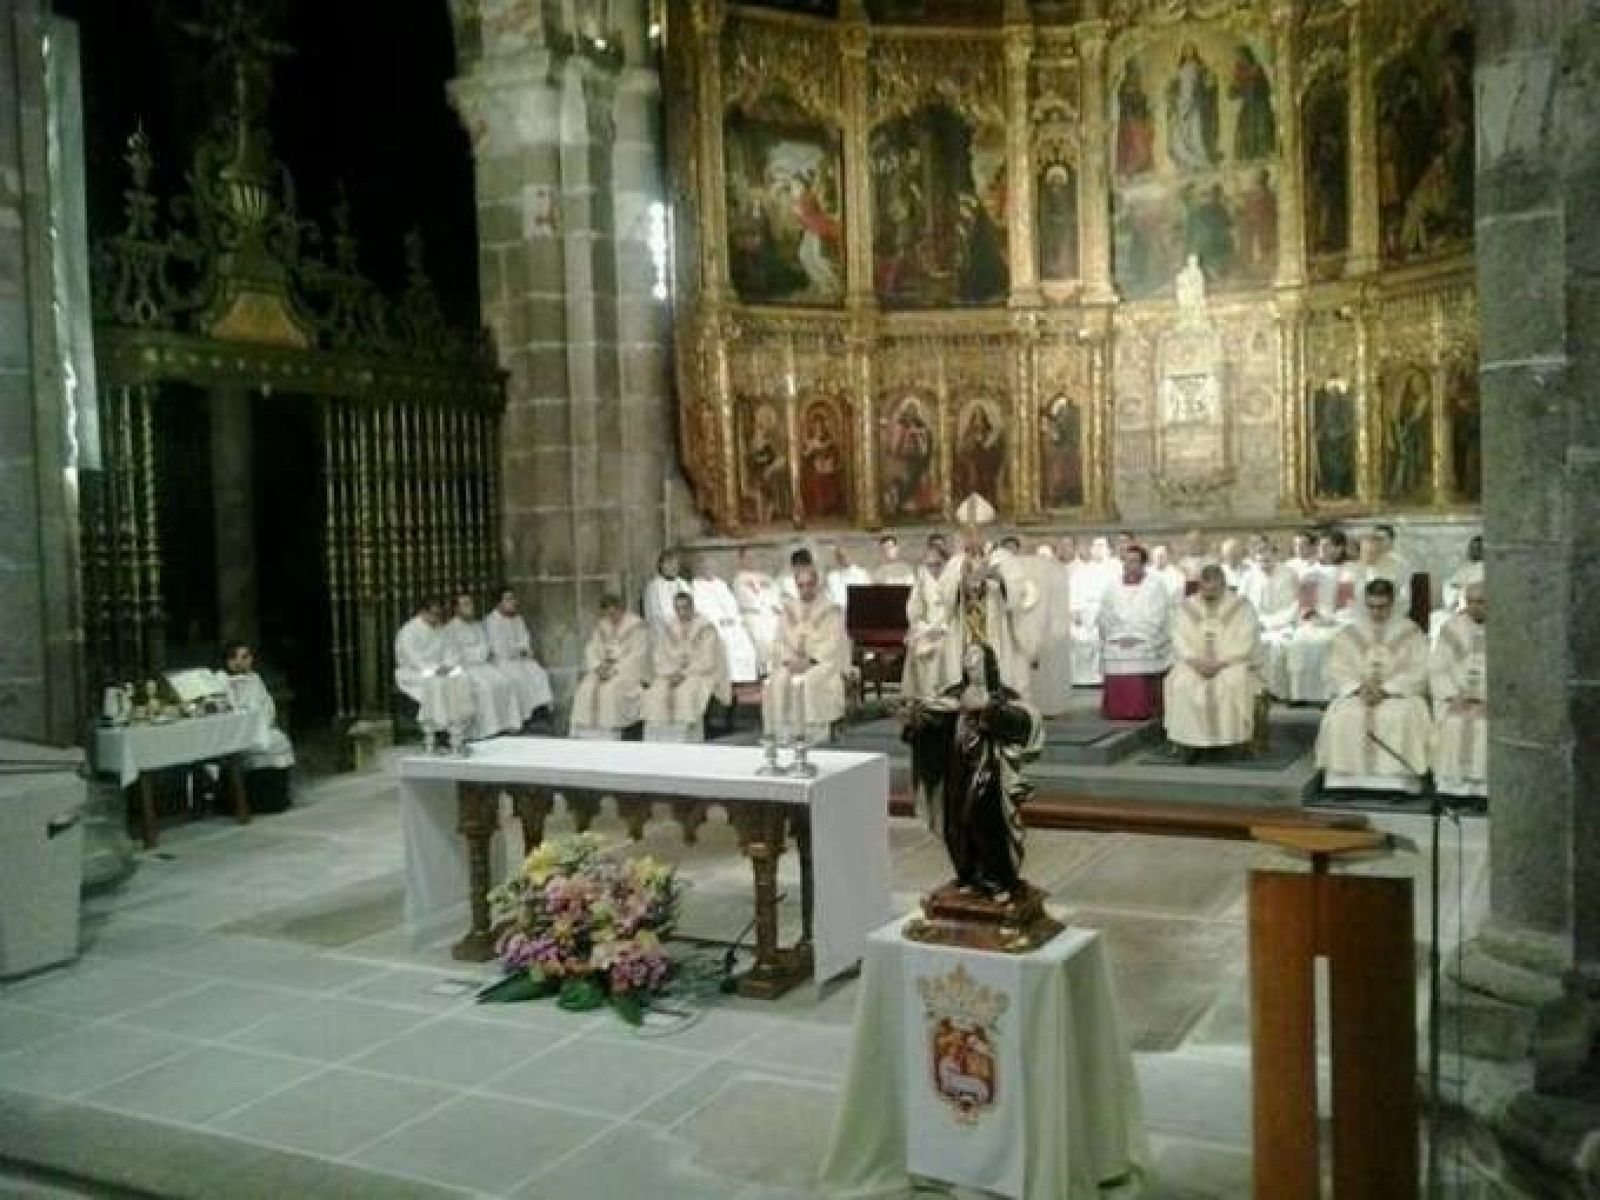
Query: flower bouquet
x: 584, y: 928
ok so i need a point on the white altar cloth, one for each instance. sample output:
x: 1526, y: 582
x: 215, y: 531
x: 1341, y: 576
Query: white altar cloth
x: 848, y: 800
x: 1072, y: 1123
x: 127, y: 751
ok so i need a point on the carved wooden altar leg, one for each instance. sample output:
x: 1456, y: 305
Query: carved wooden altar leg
x: 690, y: 815
x: 800, y: 829
x: 761, y: 836
x: 584, y: 807
x: 148, y: 830
x: 532, y: 806
x: 635, y: 813
x: 476, y: 810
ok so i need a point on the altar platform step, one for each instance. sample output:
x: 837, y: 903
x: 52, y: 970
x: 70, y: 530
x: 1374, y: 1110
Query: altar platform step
x: 1076, y: 739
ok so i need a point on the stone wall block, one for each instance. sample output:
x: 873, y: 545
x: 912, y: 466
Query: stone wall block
x: 14, y: 326
x: 588, y: 490
x: 536, y: 426
x: 544, y: 544
x: 1522, y: 259
x: 1581, y: 599
x: 1530, y: 807
x: 547, y: 320
x: 538, y: 267
x: 1525, y: 586
x: 1525, y: 424
x: 643, y: 371
x: 1585, y: 719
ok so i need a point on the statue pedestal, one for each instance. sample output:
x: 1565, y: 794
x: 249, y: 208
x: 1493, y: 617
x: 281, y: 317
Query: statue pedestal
x: 953, y: 916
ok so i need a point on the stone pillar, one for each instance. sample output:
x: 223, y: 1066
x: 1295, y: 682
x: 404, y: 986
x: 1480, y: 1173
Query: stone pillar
x: 566, y: 146
x: 1095, y: 212
x: 1538, y: 250
x: 41, y: 684
x: 234, y: 514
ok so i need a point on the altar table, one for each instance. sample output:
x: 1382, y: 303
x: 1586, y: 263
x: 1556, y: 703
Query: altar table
x: 131, y: 751
x: 838, y: 820
x: 1003, y: 1072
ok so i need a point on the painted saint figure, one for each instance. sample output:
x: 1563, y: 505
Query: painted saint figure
x: 981, y: 455
x: 1135, y: 131
x: 1192, y: 113
x: 822, y: 484
x: 1061, y: 454
x: 1255, y: 132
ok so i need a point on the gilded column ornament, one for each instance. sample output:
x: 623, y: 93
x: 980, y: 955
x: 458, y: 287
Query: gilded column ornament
x: 1368, y: 408
x: 863, y: 381
x: 854, y: 41
x: 1363, y: 258
x: 710, y: 18
x: 1291, y: 409
x: 1439, y: 472
x: 1094, y: 213
x: 1291, y: 272
x: 1102, y: 426
x: 155, y: 651
x: 1019, y: 161
x: 1025, y: 431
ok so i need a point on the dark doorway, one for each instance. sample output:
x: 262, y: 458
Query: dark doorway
x: 181, y: 439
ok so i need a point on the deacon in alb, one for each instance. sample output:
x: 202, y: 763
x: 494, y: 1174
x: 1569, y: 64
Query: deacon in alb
x: 1272, y: 590
x: 1211, y: 690
x: 511, y: 649
x: 1460, y: 685
x: 715, y: 602
x: 426, y: 669
x: 759, y: 604
x: 658, y: 593
x: 1376, y: 732
x: 804, y: 690
x: 269, y: 746
x: 688, y: 671
x: 615, y: 663
x: 492, y: 689
x: 933, y: 655
x: 893, y: 570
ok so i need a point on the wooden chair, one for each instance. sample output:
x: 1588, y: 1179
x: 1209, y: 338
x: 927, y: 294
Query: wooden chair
x: 875, y: 619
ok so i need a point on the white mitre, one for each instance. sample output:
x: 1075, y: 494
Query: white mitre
x: 975, y: 511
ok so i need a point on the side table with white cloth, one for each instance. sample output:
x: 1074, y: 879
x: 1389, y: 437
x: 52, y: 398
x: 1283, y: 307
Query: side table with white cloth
x: 455, y: 814
x: 1005, y: 1072
x: 131, y: 752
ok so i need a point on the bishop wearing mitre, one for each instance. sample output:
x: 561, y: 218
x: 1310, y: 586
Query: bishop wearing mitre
x: 511, y: 649
x: 804, y: 691
x: 427, y: 670
x: 1210, y: 692
x: 615, y: 662
x: 1375, y: 734
x: 1459, y: 682
x: 992, y: 600
x: 689, y: 669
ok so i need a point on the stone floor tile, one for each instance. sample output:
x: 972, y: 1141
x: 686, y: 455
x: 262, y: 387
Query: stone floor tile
x: 597, y: 1077
x: 87, y: 1058
x: 455, y: 1051
x: 805, y: 1050
x: 20, y: 1027
x: 762, y: 1131
x: 334, y: 1113
x: 215, y: 1011
x: 631, y: 1161
x: 329, y: 1029
x: 200, y: 1085
x: 91, y: 990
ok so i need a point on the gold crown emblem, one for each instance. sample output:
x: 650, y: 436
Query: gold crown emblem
x: 962, y: 998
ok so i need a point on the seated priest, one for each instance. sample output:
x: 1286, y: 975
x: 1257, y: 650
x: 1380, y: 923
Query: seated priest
x: 1459, y: 681
x: 495, y: 696
x: 266, y: 764
x: 992, y: 598
x: 715, y: 602
x: 933, y: 654
x: 1135, y: 645
x: 511, y: 650
x: 787, y: 588
x: 1210, y: 692
x: 427, y: 670
x: 1272, y: 590
x: 759, y: 604
x: 804, y: 690
x: 844, y: 576
x: 615, y: 662
x: 892, y: 569
x: 1375, y: 734
x: 689, y: 669
x: 1454, y: 598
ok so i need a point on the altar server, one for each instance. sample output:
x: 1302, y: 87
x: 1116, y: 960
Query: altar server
x: 844, y: 576
x: 615, y: 662
x: 658, y: 593
x: 1210, y: 692
x: 759, y: 604
x: 1135, y: 646
x: 689, y: 670
x: 933, y: 655
x: 1376, y: 732
x: 715, y: 602
x: 1086, y: 584
x: 270, y: 749
x: 511, y: 649
x: 892, y: 569
x: 1161, y: 566
x: 495, y: 696
x: 1304, y: 554
x: 804, y: 691
x: 427, y: 670
x: 1272, y: 591
x: 1460, y: 684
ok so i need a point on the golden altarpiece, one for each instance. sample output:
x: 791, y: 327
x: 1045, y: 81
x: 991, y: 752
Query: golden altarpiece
x: 225, y: 293
x: 928, y: 248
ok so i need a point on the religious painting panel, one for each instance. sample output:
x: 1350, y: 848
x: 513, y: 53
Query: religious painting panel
x: 908, y: 456
x: 766, y: 493
x: 1406, y: 437
x: 1057, y: 221
x: 1062, y: 473
x: 1325, y: 140
x: 978, y: 463
x: 824, y: 458
x: 1333, y: 442
x: 785, y: 202
x: 1194, y: 157
x: 1463, y: 419
x: 1425, y: 146
x: 939, y: 211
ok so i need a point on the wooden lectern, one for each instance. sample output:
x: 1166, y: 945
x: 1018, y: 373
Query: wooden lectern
x: 1363, y: 926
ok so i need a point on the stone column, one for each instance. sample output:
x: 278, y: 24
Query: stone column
x: 1019, y: 157
x: 1094, y: 213
x: 1538, y: 251
x: 566, y: 147
x: 41, y: 685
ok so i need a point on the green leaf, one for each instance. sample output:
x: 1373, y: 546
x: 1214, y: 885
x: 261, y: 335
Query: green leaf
x: 630, y: 1007
x: 514, y: 988
x: 583, y: 994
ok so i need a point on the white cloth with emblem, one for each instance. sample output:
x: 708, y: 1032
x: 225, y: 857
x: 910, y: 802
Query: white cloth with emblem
x: 1037, y: 1101
x: 127, y: 751
x: 848, y: 800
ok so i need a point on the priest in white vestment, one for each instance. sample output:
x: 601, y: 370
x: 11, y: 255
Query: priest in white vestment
x: 1135, y: 645
x: 1087, y: 580
x: 270, y: 749
x: 844, y: 576
x: 992, y: 599
x: 1234, y: 562
x: 760, y: 605
x: 689, y: 670
x: 1161, y: 566
x: 891, y: 568
x: 1273, y: 591
x: 1210, y: 693
x: 1454, y: 593
x: 1052, y: 672
x: 1303, y: 556
x: 511, y: 649
x: 427, y: 670
x: 615, y: 663
x: 1382, y: 562
x: 1459, y: 681
x: 804, y: 691
x: 658, y: 593
x: 714, y: 600
x: 933, y: 653
x: 494, y: 695
x: 787, y: 588
x: 1375, y: 735
x: 1196, y: 554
